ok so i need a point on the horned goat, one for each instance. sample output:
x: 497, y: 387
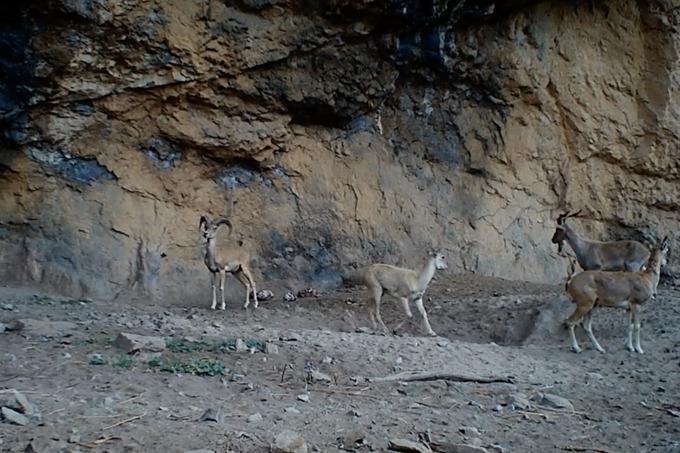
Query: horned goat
x: 405, y: 284
x: 621, y: 289
x: 223, y: 260
x: 597, y: 255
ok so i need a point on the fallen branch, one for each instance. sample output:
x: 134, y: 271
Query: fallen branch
x: 408, y: 376
x: 97, y: 442
x: 596, y: 449
x: 131, y: 419
x: 132, y: 399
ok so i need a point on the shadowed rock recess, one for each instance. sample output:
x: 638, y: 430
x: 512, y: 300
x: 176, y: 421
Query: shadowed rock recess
x: 330, y: 133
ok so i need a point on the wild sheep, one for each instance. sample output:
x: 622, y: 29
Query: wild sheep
x: 405, y: 284
x: 220, y: 261
x: 606, y: 256
x: 627, y: 290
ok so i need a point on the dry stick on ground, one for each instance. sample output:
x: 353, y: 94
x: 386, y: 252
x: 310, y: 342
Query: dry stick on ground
x: 437, y: 375
x: 131, y: 419
x: 597, y: 449
x: 283, y: 372
x: 97, y: 442
x: 132, y: 399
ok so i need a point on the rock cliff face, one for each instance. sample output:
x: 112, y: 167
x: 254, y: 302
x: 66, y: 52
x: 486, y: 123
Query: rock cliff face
x: 329, y: 132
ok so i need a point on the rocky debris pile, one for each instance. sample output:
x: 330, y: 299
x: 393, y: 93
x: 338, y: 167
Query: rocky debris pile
x: 16, y: 409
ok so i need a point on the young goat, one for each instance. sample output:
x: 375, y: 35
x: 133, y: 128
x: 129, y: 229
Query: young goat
x: 606, y: 256
x: 223, y: 260
x: 405, y: 284
x: 626, y: 290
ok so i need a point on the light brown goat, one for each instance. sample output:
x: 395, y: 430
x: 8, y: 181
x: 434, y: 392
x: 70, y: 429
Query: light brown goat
x: 627, y: 290
x: 405, y: 284
x: 220, y: 261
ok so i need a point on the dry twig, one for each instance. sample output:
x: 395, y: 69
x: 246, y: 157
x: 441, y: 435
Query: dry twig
x: 97, y: 442
x: 131, y: 419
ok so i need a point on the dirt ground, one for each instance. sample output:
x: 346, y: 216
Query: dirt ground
x: 504, y: 375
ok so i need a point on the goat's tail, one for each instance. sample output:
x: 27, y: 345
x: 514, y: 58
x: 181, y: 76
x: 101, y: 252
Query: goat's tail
x: 353, y: 278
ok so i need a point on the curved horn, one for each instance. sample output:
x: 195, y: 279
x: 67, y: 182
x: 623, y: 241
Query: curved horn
x: 566, y: 215
x: 225, y: 222
x: 204, y: 220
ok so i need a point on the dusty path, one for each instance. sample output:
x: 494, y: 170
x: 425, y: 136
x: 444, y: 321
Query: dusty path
x: 88, y: 395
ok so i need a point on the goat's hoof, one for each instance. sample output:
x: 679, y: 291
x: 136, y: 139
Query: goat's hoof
x: 432, y: 334
x: 577, y: 350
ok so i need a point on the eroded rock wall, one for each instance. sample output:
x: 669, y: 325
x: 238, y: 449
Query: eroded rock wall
x: 330, y: 134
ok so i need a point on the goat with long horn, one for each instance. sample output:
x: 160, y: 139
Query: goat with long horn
x: 594, y: 255
x: 226, y: 260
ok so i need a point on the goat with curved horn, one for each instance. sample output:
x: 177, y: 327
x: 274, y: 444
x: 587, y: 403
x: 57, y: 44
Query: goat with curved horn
x: 226, y: 260
x: 607, y: 256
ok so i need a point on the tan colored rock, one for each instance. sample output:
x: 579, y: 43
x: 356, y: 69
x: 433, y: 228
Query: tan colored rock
x: 132, y: 343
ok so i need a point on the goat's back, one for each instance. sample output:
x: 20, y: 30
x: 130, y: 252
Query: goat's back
x: 623, y: 255
x: 610, y: 288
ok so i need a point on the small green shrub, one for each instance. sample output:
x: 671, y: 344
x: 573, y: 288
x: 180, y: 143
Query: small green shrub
x: 199, y: 367
x: 124, y: 361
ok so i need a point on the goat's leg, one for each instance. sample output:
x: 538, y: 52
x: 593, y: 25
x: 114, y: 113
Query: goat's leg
x: 223, y: 277
x: 251, y: 282
x: 423, y: 313
x: 588, y: 326
x: 371, y: 315
x: 571, y: 322
x: 407, y: 310
x: 240, y: 276
x: 629, y: 336
x: 635, y: 322
x: 213, y: 283
x: 377, y: 295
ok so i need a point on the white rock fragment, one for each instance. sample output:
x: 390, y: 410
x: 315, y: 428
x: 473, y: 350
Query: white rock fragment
x: 289, y: 442
x: 12, y: 416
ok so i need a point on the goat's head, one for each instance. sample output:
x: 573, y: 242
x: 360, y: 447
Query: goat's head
x: 659, y: 255
x: 210, y: 227
x: 439, y: 261
x: 561, y: 229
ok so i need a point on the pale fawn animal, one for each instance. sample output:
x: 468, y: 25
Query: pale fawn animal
x: 405, y: 284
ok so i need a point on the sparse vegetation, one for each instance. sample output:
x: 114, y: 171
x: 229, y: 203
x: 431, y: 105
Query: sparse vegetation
x: 199, y: 367
x: 124, y: 361
x: 80, y: 301
x: 183, y: 346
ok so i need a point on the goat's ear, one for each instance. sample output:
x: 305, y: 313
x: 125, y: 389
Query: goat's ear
x: 205, y: 220
x: 664, y: 243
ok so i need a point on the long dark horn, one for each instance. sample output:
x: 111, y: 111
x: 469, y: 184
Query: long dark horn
x: 574, y: 214
x: 225, y: 222
x: 204, y: 220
